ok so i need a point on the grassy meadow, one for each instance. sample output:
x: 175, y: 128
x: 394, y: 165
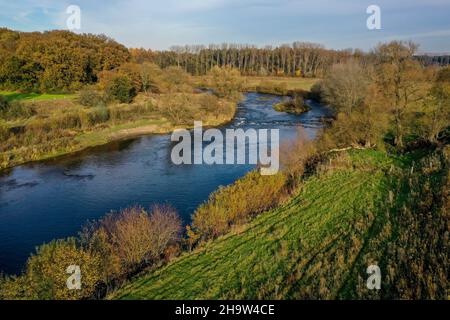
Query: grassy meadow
x: 269, y: 84
x: 18, y: 96
x: 291, y: 83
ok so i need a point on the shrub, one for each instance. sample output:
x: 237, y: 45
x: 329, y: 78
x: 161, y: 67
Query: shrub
x: 178, y: 108
x: 90, y: 98
x: 4, y: 133
x: 315, y: 92
x: 14, y: 288
x: 99, y: 115
x: 132, y: 238
x: 226, y: 82
x: 14, y: 110
x: 46, y: 274
x: 272, y: 87
x: 151, y: 77
x: 175, y: 79
x: 295, y: 156
x: 294, y: 105
x: 4, y: 105
x: 236, y: 204
x: 121, y: 89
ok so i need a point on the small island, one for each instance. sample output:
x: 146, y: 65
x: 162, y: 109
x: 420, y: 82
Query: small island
x: 295, y: 105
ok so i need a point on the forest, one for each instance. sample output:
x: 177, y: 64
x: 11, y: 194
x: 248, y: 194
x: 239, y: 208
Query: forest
x: 56, y: 60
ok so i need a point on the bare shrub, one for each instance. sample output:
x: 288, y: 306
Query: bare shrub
x: 165, y: 225
x: 132, y: 238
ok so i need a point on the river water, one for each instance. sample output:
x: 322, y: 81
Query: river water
x: 54, y: 199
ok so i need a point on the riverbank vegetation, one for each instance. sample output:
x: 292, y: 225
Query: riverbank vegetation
x: 107, y: 251
x: 295, y: 105
x: 37, y: 130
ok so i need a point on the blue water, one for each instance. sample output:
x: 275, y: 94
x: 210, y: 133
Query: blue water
x: 54, y: 199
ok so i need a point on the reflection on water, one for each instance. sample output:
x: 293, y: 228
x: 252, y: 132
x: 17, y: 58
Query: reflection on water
x: 53, y: 199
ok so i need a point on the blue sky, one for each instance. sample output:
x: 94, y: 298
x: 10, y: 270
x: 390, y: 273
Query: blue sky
x: 159, y: 24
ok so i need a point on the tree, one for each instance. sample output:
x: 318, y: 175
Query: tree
x: 133, y: 72
x: 345, y: 87
x: 175, y: 79
x: 56, y: 60
x: 121, y: 89
x: 401, y: 82
x: 150, y: 75
x: 226, y: 82
x: 297, y: 59
x: 437, y: 107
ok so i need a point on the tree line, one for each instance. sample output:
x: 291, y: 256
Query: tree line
x: 394, y: 99
x: 65, y: 61
x: 297, y: 59
x: 440, y: 60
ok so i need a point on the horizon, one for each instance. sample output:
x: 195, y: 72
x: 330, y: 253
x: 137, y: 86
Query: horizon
x: 337, y: 26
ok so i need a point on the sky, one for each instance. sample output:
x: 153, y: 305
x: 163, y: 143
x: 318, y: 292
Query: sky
x: 159, y: 24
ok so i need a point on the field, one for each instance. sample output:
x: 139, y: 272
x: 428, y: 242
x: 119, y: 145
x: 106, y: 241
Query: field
x: 17, y: 96
x: 270, y: 84
x: 291, y: 83
x: 316, y: 246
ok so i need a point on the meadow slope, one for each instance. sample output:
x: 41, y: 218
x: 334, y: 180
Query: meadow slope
x: 317, y: 246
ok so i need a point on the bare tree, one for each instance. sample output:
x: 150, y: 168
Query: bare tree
x: 346, y: 86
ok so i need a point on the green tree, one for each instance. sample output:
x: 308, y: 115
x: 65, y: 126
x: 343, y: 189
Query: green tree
x: 401, y: 81
x: 437, y: 107
x: 121, y: 89
x: 150, y: 75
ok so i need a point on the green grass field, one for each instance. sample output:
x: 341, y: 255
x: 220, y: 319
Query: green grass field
x: 284, y: 251
x: 17, y: 96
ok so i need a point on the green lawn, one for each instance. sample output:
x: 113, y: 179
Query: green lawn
x: 284, y: 253
x: 11, y: 96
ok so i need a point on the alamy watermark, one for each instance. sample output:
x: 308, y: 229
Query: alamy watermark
x: 374, y: 20
x: 230, y: 150
x: 73, y: 22
x: 374, y: 280
x: 74, y: 281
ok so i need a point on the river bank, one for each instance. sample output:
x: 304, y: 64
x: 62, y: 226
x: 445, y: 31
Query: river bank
x: 74, y: 131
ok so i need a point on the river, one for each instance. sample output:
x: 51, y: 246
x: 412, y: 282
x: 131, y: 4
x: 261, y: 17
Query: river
x: 53, y: 199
